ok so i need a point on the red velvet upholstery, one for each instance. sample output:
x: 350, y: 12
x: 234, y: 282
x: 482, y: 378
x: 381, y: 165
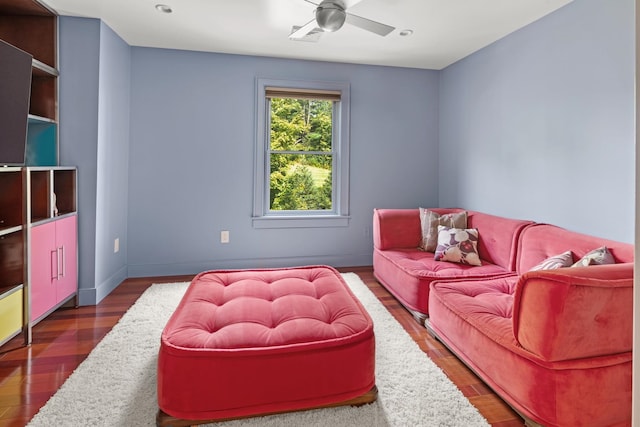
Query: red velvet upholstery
x: 541, y: 241
x: 407, y: 272
x: 556, y: 345
x: 575, y: 313
x: 261, y: 341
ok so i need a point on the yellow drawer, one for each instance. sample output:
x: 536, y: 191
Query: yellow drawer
x: 10, y: 314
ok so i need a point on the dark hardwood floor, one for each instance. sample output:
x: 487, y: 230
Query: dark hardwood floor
x: 29, y: 376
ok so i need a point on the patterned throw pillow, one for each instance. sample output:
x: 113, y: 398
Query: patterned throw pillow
x: 458, y: 245
x: 430, y: 220
x: 565, y: 259
x: 596, y: 257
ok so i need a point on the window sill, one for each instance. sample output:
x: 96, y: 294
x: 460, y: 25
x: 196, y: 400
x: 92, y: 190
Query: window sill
x: 300, y: 221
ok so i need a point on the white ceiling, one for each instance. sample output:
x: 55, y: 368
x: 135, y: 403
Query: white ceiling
x: 444, y: 31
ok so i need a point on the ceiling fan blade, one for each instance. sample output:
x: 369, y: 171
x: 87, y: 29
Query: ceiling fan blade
x: 350, y: 3
x: 304, y: 30
x: 369, y: 25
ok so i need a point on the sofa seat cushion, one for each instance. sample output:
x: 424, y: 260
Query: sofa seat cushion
x: 474, y: 319
x: 411, y: 271
x: 486, y: 304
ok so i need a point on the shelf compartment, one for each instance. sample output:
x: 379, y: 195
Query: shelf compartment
x: 40, y: 195
x: 11, y: 206
x: 35, y: 34
x: 11, y: 313
x: 43, y: 95
x: 64, y: 190
x: 42, y: 142
x: 11, y: 260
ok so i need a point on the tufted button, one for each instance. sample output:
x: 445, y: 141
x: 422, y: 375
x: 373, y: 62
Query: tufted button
x: 243, y: 309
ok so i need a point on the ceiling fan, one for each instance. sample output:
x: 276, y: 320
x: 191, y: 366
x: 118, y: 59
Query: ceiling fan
x: 330, y: 15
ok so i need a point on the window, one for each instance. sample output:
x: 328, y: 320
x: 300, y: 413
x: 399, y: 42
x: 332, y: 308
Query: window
x: 302, y: 154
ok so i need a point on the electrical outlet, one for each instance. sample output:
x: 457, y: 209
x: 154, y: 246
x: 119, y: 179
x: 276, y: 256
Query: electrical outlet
x: 224, y: 236
x: 116, y: 245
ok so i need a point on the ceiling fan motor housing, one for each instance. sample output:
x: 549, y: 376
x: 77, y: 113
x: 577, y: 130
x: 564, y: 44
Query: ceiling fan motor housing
x: 330, y: 15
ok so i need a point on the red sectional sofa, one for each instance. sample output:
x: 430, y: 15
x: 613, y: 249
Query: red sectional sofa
x: 556, y: 345
x: 407, y: 271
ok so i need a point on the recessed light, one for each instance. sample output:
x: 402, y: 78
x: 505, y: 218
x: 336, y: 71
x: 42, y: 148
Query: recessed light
x: 406, y: 33
x: 163, y: 8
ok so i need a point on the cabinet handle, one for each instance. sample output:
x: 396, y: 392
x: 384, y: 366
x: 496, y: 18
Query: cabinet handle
x: 63, y: 262
x: 54, y: 276
x: 59, y: 258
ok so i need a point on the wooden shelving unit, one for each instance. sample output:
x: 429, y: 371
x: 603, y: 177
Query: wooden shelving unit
x: 13, y: 269
x: 33, y: 27
x: 38, y: 219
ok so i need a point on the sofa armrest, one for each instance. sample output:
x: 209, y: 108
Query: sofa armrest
x: 396, y: 228
x: 400, y: 228
x: 573, y: 313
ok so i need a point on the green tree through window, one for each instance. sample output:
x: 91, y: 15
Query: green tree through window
x: 301, y: 176
x: 300, y: 154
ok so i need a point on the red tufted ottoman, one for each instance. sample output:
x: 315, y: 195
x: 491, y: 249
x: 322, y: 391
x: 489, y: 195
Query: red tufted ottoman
x: 255, y: 342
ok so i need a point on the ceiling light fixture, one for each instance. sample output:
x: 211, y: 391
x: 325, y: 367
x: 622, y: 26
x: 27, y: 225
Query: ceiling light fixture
x: 163, y: 8
x: 406, y: 33
x: 330, y: 15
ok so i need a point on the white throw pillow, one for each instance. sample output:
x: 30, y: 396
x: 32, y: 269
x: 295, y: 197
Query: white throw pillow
x: 598, y: 256
x: 458, y: 245
x: 429, y: 222
x: 564, y: 259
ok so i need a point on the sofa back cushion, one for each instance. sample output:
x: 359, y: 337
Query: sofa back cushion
x: 400, y: 228
x: 498, y: 237
x: 575, y: 313
x: 431, y: 220
x: 541, y: 241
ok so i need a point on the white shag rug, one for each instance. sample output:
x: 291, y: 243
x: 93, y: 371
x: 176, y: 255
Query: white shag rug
x: 116, y: 384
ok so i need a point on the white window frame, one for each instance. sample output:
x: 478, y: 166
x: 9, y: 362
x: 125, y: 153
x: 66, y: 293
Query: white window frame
x: 338, y: 216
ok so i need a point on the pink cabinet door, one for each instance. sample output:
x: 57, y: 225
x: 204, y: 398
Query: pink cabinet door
x: 53, y: 264
x: 43, y: 269
x: 66, y: 245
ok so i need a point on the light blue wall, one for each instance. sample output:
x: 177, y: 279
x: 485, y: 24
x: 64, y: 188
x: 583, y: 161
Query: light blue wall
x: 192, y: 157
x: 113, y: 161
x: 79, y: 62
x: 94, y: 136
x: 540, y: 125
